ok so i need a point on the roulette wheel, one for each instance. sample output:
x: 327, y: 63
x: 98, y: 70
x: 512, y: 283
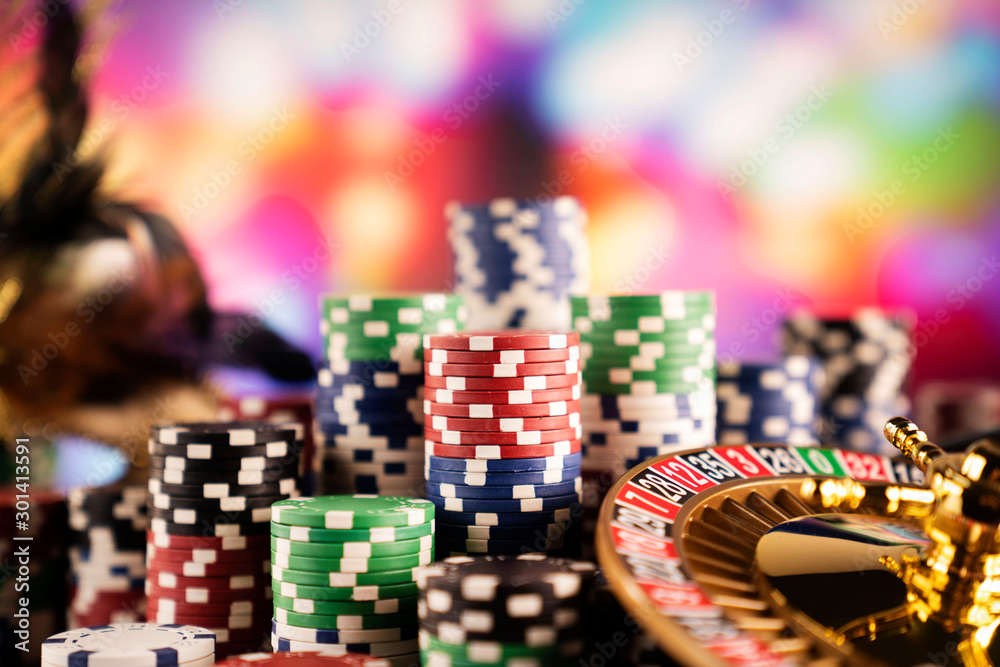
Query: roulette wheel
x: 775, y: 555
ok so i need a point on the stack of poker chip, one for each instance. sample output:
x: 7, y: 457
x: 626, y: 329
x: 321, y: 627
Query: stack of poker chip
x: 866, y: 359
x: 304, y: 659
x: 108, y: 556
x: 138, y: 644
x: 36, y: 525
x: 769, y: 401
x: 517, y: 262
x: 512, y: 611
x: 368, y: 417
x: 502, y: 424
x: 344, y: 572
x: 211, y: 488
x: 276, y: 408
x: 648, y: 375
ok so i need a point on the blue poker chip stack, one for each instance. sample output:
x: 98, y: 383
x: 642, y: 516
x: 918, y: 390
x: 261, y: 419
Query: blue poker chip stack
x: 517, y: 262
x: 368, y: 411
x: 769, y: 401
x: 867, y: 359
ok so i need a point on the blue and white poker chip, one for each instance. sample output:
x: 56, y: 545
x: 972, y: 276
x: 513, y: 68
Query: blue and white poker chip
x: 523, y: 506
x: 513, y: 492
x: 474, y: 532
x: 508, y: 518
x: 447, y: 464
x: 319, y: 636
x: 129, y: 645
x: 553, y: 476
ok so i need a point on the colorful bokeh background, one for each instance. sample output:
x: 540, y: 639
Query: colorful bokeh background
x: 825, y: 155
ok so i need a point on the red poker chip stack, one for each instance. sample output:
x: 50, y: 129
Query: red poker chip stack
x: 502, y: 431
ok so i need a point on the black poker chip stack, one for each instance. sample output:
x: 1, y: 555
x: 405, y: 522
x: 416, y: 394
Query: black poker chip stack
x: 107, y: 559
x: 866, y: 359
x: 516, y: 611
x: 211, y: 488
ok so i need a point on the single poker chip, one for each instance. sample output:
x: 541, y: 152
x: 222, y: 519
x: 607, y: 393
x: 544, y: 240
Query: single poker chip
x: 405, y: 632
x: 352, y: 565
x: 348, y: 608
x: 551, y: 531
x: 505, y: 466
x: 375, y: 535
x: 325, y: 655
x: 368, y: 443
x: 163, y: 501
x: 235, y: 608
x: 519, y: 505
x: 511, y: 518
x: 370, y: 455
x: 538, y: 545
x: 503, y: 397
x: 191, y: 569
x: 478, y: 652
x: 196, y: 518
x: 233, y: 583
x: 569, y: 367
x: 234, y: 434
x: 194, y: 595
x: 343, y: 579
x: 214, y: 543
x: 343, y: 621
x: 202, y: 555
x: 223, y: 490
x: 479, y: 480
x: 505, y: 579
x: 206, y: 452
x: 504, y: 425
x: 515, y: 492
x: 480, y: 341
x: 496, y: 438
x: 501, y: 384
x: 241, y: 477
x: 351, y: 549
x: 502, y: 451
x: 356, y: 594
x: 227, y: 622
x: 489, y: 411
x: 230, y: 527
x: 128, y: 645
x: 221, y: 466
x: 502, y: 356
x: 352, y: 512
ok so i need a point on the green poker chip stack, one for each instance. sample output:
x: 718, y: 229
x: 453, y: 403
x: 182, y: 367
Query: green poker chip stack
x: 649, y: 373
x: 344, y: 573
x: 369, y: 397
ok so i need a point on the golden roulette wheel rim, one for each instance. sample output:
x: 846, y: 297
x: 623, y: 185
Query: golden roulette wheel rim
x: 694, y: 613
